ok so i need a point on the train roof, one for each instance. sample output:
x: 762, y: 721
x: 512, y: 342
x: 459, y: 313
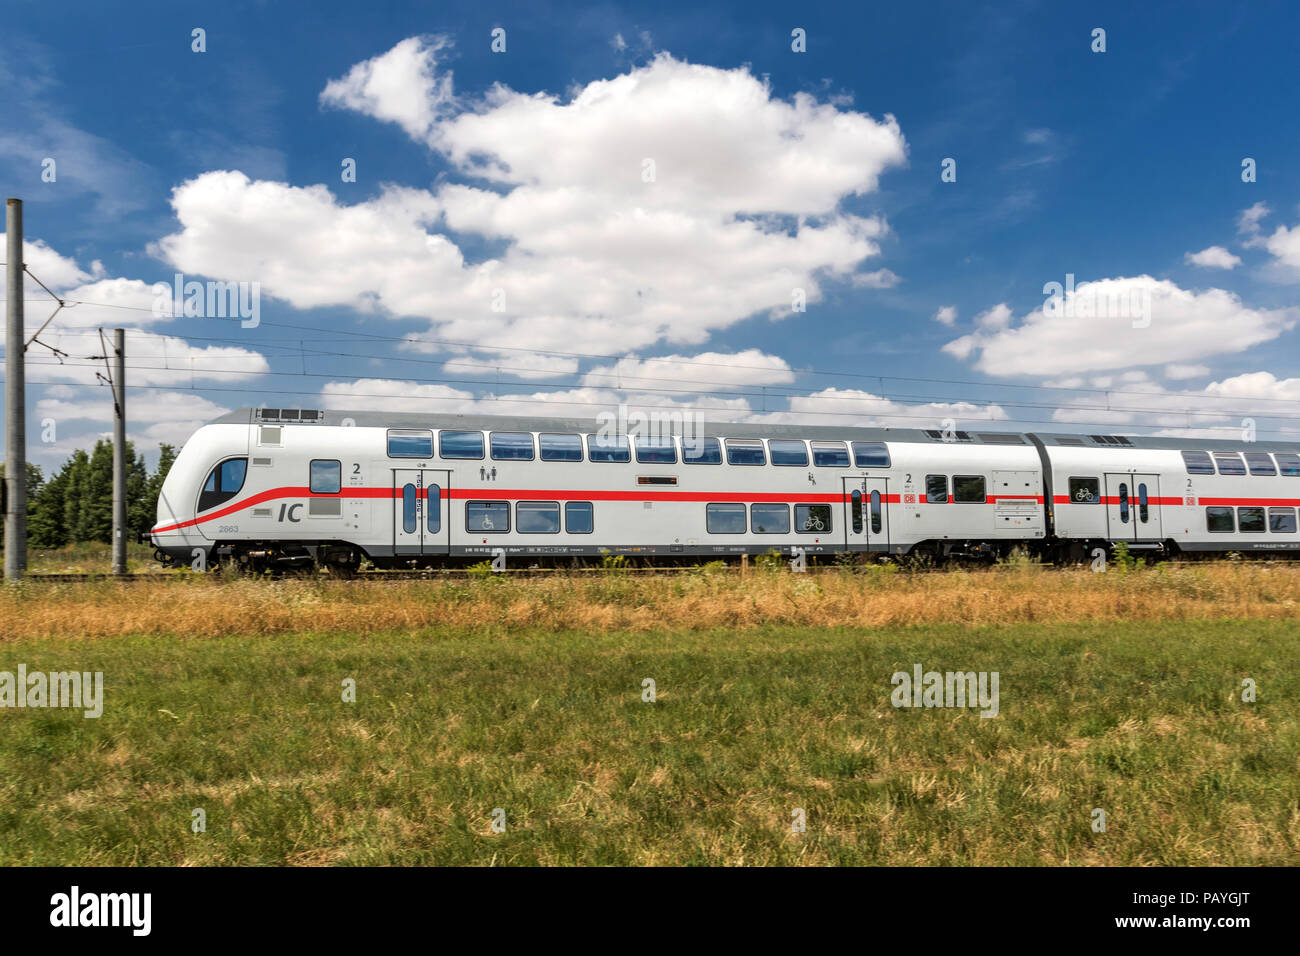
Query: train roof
x: 966, y: 436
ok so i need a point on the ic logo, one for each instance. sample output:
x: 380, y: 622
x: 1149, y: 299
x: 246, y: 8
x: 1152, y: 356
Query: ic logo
x: 290, y: 511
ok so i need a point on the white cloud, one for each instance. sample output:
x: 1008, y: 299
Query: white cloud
x: 947, y: 315
x: 995, y: 318
x: 400, y: 86
x: 744, y: 207
x: 1094, y: 330
x: 707, y: 369
x: 1213, y: 411
x: 1178, y: 372
x: 1248, y: 220
x: 525, y: 365
x: 1213, y: 257
x: 1284, y: 246
x: 854, y: 407
x: 880, y: 279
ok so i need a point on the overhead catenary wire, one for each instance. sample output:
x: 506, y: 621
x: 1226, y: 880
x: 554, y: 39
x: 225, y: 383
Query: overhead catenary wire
x: 482, y: 347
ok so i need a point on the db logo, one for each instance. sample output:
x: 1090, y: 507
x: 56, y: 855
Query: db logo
x: 909, y: 499
x: 1189, y: 501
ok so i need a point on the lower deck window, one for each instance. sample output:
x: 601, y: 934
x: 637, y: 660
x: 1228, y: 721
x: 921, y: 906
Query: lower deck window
x: 1281, y: 520
x: 578, y: 517
x: 1250, y: 519
x: 770, y: 519
x: 537, y: 517
x: 1219, y: 520
x: 487, y: 515
x: 968, y: 489
x: 812, y: 519
x: 1085, y: 491
x: 936, y: 489
x: 725, y: 518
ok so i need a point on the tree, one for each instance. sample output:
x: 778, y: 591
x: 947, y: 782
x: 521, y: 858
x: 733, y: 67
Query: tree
x: 34, y: 481
x: 76, y: 504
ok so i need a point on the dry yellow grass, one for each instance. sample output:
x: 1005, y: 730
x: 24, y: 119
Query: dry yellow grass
x: 208, y: 607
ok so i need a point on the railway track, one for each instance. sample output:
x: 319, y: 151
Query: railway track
x: 444, y: 574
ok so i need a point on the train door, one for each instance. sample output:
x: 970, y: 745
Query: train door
x: 866, y: 519
x: 1132, y: 508
x: 421, y: 512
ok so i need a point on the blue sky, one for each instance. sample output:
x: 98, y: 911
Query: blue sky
x: 502, y: 249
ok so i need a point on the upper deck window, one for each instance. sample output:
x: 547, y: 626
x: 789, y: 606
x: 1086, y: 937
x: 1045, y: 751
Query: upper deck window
x: 1229, y: 463
x: 461, y: 444
x: 830, y: 454
x: 410, y: 443
x: 788, y: 452
x: 512, y: 446
x: 870, y: 454
x: 745, y: 451
x: 701, y: 451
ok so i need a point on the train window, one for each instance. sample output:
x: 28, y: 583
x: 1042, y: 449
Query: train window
x: 408, y: 509
x: 433, y: 507
x: 410, y: 443
x: 830, y: 454
x: 875, y: 512
x: 1123, y: 502
x: 1219, y: 520
x: 1198, y: 462
x: 855, y: 510
x: 969, y: 489
x: 1143, y: 510
x: 936, y: 489
x: 1260, y: 463
x: 770, y: 518
x: 1250, y: 519
x: 579, y: 517
x: 1085, y: 491
x: 788, y: 452
x: 537, y: 517
x: 744, y: 452
x: 1281, y: 520
x: 223, y: 483
x: 560, y: 447
x: 325, y: 477
x: 870, y: 454
x: 812, y: 519
x: 460, y: 444
x: 701, y: 451
x: 487, y: 516
x: 655, y: 451
x: 512, y: 446
x: 1229, y: 463
x: 608, y: 448
x: 1288, y: 464
x: 725, y: 518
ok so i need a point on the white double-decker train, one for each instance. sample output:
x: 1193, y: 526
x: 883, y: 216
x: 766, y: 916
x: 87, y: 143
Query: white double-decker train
x: 266, y: 487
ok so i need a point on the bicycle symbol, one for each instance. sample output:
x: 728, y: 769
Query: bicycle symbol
x: 813, y: 523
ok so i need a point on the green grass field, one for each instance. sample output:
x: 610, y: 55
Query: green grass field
x: 1144, y: 721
